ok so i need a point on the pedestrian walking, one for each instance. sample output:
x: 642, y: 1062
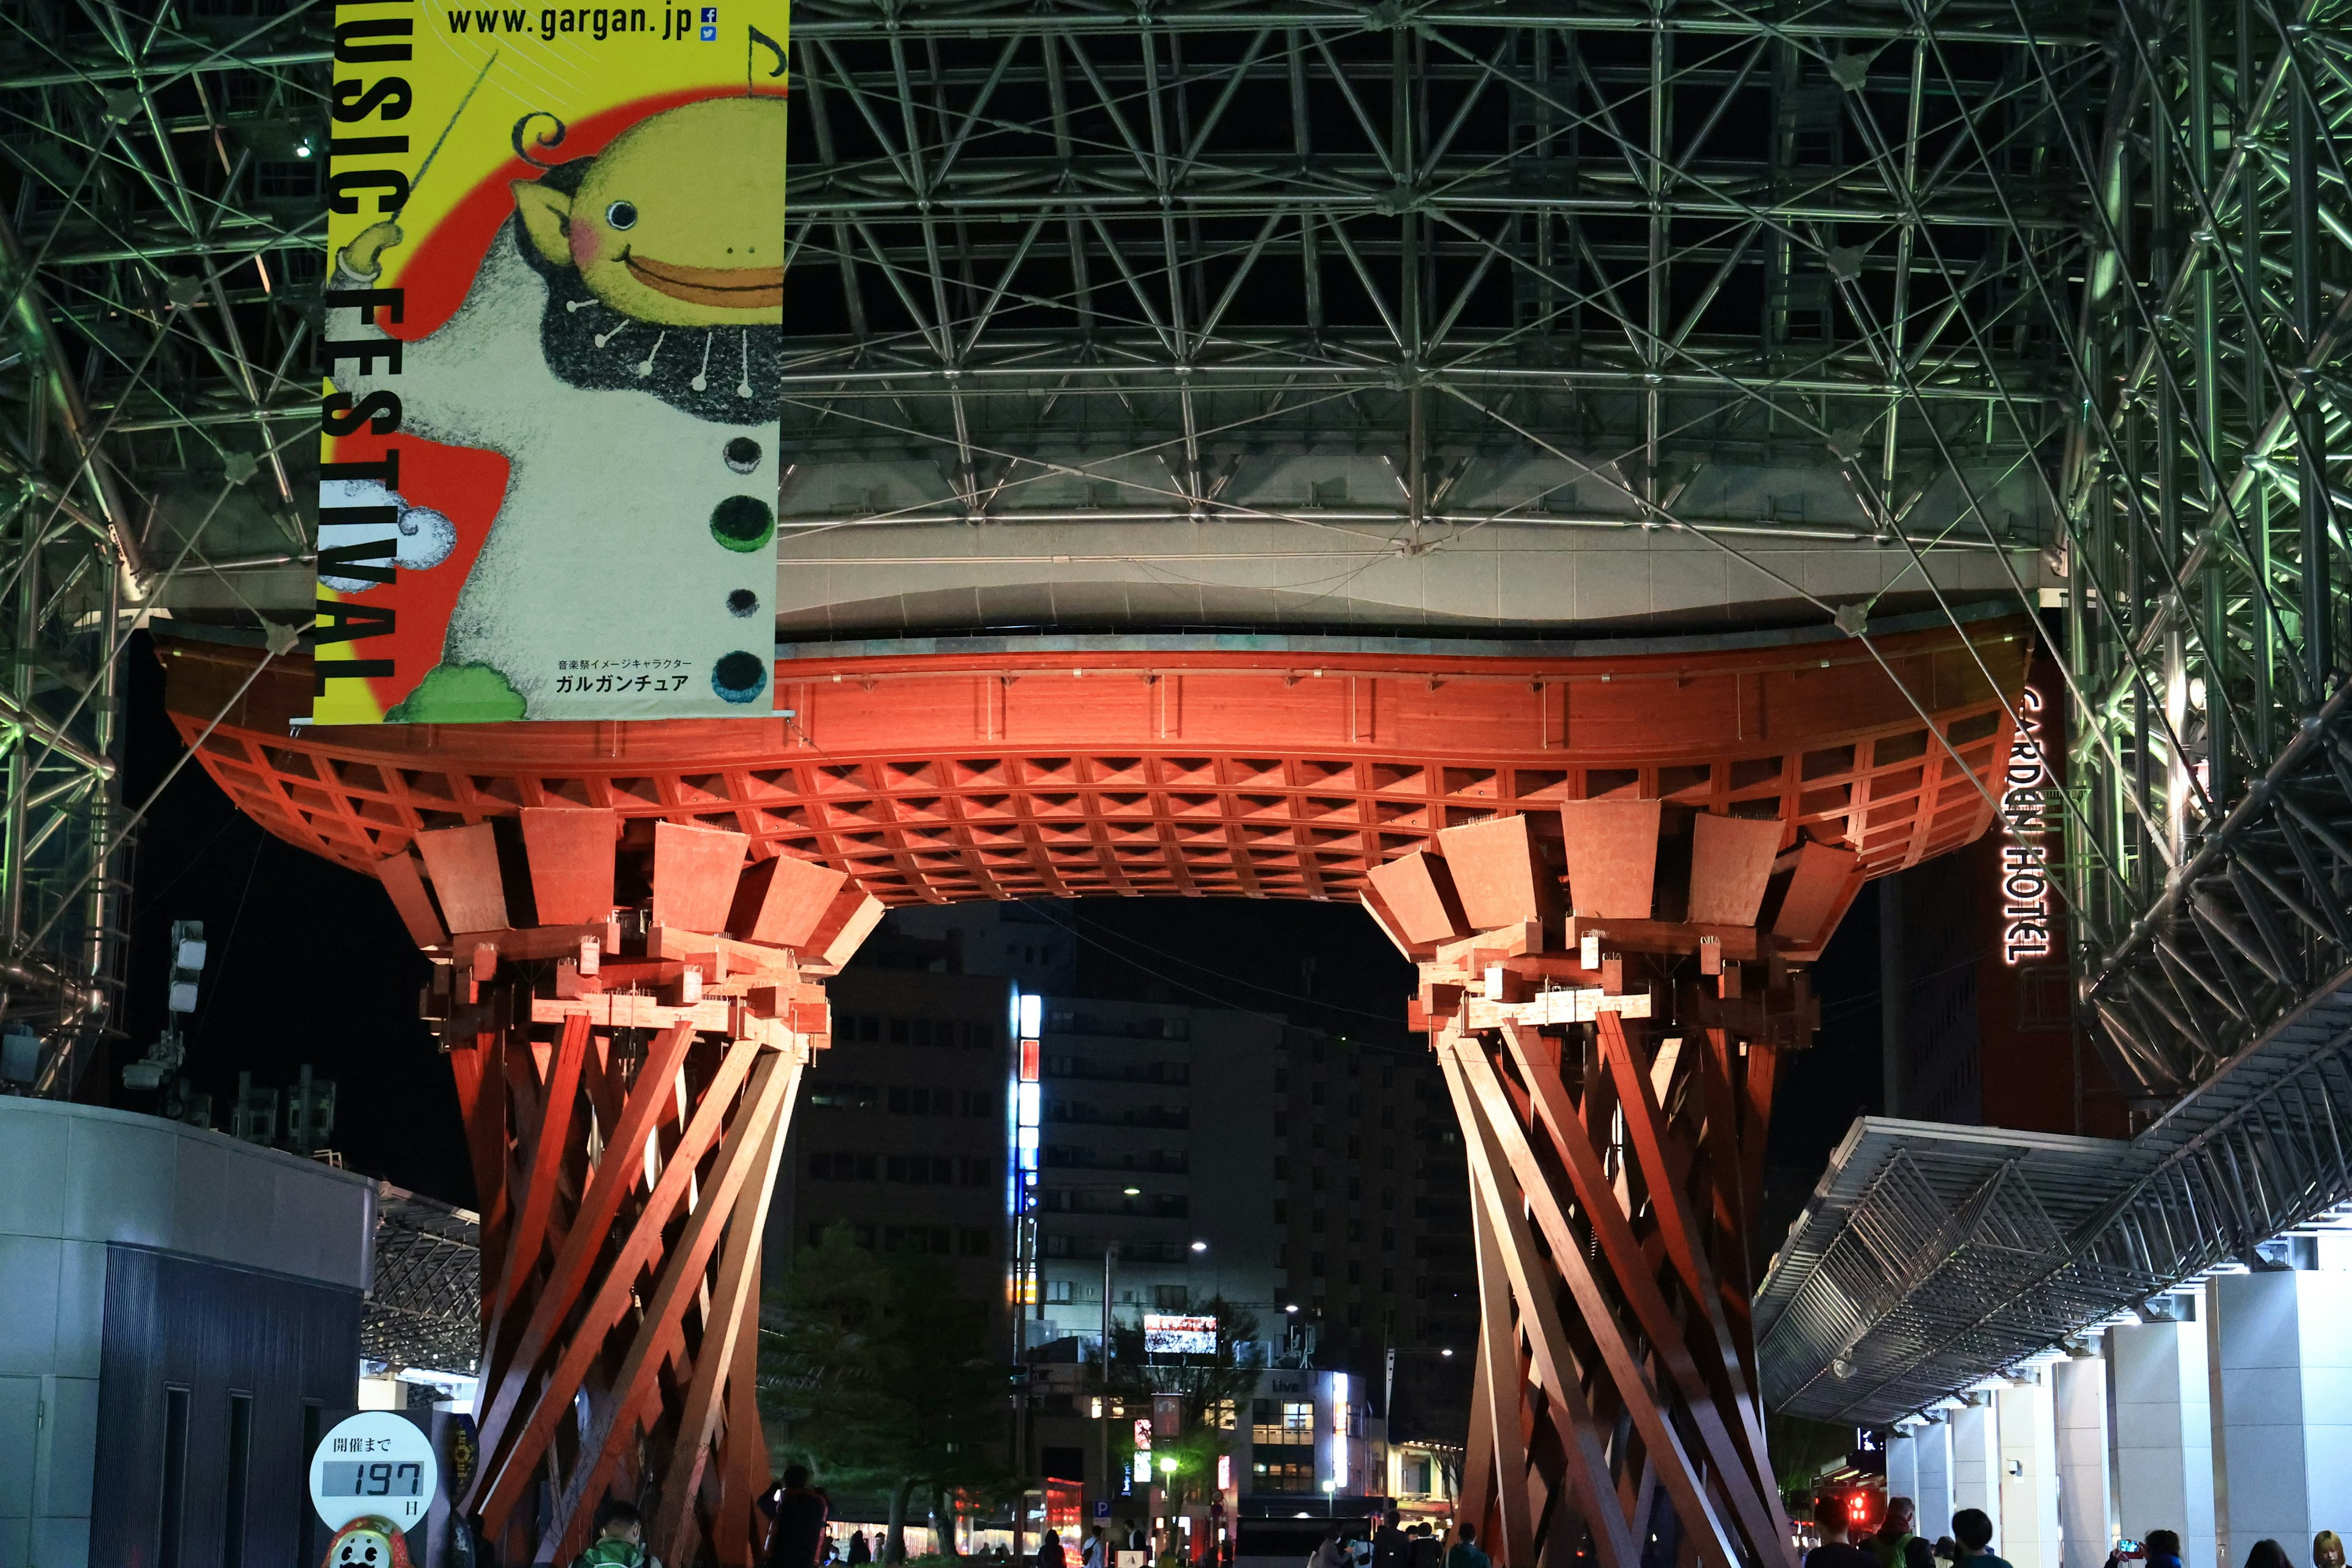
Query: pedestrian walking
x: 1425, y: 1548
x: 1973, y: 1529
x: 1467, y: 1553
x: 796, y: 1518
x: 1049, y: 1552
x: 2268, y: 1555
x: 859, y: 1550
x: 1835, y: 1551
x: 2326, y: 1550
x: 1331, y: 1552
x: 1097, y: 1552
x: 620, y: 1539
x: 1895, y: 1545
x: 1391, y: 1548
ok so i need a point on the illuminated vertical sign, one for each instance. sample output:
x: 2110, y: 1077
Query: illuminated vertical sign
x: 2025, y: 922
x: 1024, y: 1113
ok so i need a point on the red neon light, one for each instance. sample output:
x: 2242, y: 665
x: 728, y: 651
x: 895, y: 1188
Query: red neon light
x: 1028, y: 1061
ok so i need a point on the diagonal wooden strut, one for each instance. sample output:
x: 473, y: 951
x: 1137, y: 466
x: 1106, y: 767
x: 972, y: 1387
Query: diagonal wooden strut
x: 1613, y: 1098
x: 627, y: 1081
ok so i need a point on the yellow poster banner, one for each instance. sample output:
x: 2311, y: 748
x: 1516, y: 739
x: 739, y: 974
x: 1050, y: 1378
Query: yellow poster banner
x: 551, y: 343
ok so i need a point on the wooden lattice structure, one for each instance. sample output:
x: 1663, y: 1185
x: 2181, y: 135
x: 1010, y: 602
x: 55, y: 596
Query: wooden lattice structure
x: 1610, y: 1028
x: 1612, y: 865
x: 627, y: 1010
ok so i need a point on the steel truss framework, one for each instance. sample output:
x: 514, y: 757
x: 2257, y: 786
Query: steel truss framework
x: 425, y: 1302
x: 2210, y: 553
x: 1873, y: 246
x: 1657, y: 245
x: 1930, y: 1256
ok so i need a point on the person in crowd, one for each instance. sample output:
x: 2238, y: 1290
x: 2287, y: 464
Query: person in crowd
x: 2161, y: 1549
x: 1390, y: 1547
x: 620, y: 1539
x: 2268, y: 1555
x: 1049, y: 1550
x: 1895, y: 1545
x: 1973, y: 1526
x: 1947, y: 1549
x: 1097, y: 1552
x: 1331, y: 1552
x: 859, y: 1549
x: 2326, y: 1550
x: 796, y: 1517
x: 1467, y: 1553
x: 1835, y: 1551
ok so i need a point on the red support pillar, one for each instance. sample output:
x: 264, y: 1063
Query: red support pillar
x: 628, y: 1074
x: 1614, y: 1079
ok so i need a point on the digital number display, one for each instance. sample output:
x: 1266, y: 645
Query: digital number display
x: 370, y: 1478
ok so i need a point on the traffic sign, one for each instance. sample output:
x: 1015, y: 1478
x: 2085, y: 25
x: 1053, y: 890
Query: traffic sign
x: 374, y: 1465
x: 1102, y: 1508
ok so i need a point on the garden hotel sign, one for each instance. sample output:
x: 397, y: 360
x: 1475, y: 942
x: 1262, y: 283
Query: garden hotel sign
x: 554, y: 312
x: 2026, y: 788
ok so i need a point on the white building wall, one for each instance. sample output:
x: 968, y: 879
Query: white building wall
x: 2078, y: 1388
x: 2164, y: 1435
x: 1931, y: 1448
x: 2027, y: 1524
x: 2283, y: 1342
x: 75, y: 1178
x: 1903, y: 1467
x: 1975, y: 1460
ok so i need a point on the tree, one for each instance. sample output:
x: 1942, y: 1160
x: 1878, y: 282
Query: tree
x: 1216, y: 1390
x: 880, y: 1376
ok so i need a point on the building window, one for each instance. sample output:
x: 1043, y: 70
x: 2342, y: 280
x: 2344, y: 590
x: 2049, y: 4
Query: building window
x: 1170, y: 1298
x: 174, y: 1488
x: 1355, y: 1272
x: 1060, y: 1293
x: 1355, y: 1230
x: 932, y: 1239
x: 239, y: 1467
x: 841, y: 1167
x: 1388, y: 1279
x: 1315, y: 1094
x: 1315, y: 1263
x: 1315, y: 1222
x: 925, y: 1170
x: 1355, y: 1186
x: 976, y: 1242
x: 1281, y: 1167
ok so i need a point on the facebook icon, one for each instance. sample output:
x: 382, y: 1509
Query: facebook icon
x: 711, y: 24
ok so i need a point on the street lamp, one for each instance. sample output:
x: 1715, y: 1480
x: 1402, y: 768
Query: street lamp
x: 1200, y: 1246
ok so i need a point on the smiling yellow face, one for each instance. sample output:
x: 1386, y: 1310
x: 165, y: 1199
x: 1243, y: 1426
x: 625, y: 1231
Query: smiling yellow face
x: 680, y: 220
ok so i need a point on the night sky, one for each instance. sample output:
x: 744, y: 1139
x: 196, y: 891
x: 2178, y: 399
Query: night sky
x: 308, y: 962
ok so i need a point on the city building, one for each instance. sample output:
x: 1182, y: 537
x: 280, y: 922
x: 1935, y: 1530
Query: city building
x: 901, y: 1128
x: 1373, y: 1203
x: 180, y: 1322
x: 1005, y: 937
x: 1157, y: 1140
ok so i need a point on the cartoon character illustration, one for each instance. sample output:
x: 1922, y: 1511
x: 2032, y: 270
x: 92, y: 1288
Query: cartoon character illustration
x: 620, y: 346
x: 368, y: 1543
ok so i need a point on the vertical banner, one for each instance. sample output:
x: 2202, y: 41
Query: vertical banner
x: 551, y: 339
